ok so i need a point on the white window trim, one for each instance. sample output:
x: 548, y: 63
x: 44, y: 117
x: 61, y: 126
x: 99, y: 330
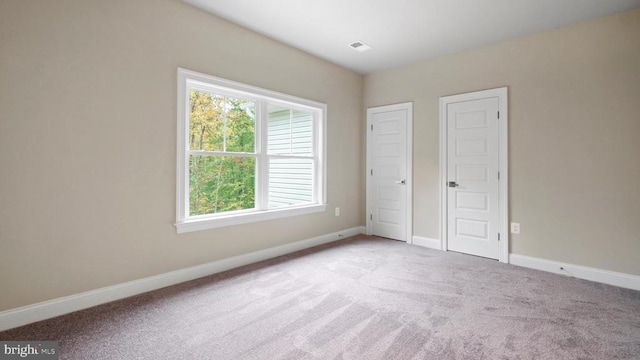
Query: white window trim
x: 203, y: 222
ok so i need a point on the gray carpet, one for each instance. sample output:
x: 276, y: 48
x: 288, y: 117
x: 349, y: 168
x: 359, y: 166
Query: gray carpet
x: 362, y: 298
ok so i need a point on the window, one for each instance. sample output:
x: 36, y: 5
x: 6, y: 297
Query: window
x: 246, y: 154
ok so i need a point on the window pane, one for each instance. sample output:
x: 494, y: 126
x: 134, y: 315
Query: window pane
x: 301, y: 133
x: 217, y: 123
x: 290, y: 182
x: 290, y: 131
x: 240, y: 125
x: 221, y: 183
x: 206, y: 121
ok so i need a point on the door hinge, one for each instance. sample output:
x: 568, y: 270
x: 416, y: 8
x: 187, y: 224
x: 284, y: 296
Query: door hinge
x: 371, y: 127
x: 371, y: 217
x: 498, y: 114
x: 371, y: 172
x: 498, y: 175
x: 498, y: 236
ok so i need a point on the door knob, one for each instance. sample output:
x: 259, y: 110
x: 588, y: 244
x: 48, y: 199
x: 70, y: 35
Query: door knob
x: 453, y: 184
x: 400, y: 182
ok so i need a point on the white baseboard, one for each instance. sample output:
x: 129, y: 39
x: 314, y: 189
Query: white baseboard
x: 426, y: 242
x: 582, y: 272
x: 45, y: 310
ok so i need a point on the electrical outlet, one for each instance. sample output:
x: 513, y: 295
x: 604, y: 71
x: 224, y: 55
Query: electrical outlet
x: 337, y: 211
x: 515, y: 228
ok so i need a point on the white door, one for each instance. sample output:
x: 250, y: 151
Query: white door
x: 388, y: 184
x: 472, y: 177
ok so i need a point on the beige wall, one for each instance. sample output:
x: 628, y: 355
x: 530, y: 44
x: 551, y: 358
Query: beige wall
x: 574, y: 133
x: 88, y: 141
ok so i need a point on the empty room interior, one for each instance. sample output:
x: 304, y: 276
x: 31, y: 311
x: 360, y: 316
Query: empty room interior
x: 277, y: 179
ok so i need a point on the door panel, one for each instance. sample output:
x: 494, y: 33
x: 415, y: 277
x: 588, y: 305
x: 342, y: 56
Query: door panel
x: 388, y: 174
x: 466, y: 200
x: 472, y: 164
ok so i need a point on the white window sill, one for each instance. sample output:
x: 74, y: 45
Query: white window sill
x: 237, y: 219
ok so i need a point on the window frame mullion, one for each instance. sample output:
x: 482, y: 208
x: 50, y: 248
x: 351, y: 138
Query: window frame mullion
x: 318, y: 159
x: 290, y: 131
x: 262, y: 173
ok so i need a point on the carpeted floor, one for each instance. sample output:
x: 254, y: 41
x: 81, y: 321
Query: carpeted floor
x: 362, y: 298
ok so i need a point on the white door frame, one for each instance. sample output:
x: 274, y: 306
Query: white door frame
x: 408, y: 106
x: 503, y: 183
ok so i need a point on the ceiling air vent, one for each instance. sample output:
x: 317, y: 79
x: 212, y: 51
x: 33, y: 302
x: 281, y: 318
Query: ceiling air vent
x: 359, y: 46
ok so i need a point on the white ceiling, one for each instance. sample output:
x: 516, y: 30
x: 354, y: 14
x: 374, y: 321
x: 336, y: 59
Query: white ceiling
x: 402, y: 31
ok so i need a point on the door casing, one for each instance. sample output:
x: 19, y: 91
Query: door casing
x: 503, y: 183
x: 408, y: 106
